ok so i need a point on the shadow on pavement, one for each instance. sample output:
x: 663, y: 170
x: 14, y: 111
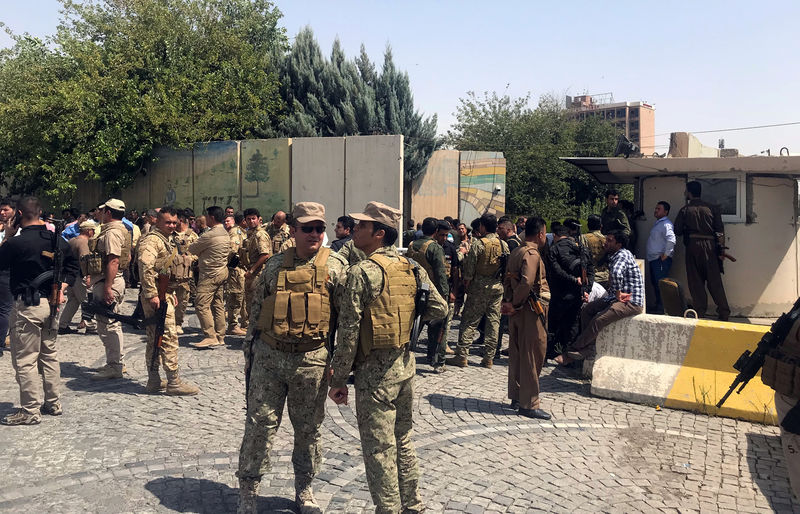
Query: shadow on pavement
x: 768, y: 470
x: 6, y: 408
x: 208, y: 497
x: 452, y: 404
x: 78, y: 378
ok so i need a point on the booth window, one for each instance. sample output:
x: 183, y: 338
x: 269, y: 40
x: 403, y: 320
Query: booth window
x: 728, y: 192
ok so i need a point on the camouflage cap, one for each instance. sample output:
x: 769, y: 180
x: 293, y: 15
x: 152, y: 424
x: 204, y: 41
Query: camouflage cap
x: 113, y: 204
x: 306, y: 212
x: 379, y: 212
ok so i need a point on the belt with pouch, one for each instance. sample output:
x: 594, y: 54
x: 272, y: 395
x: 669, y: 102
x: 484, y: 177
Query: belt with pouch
x: 285, y: 347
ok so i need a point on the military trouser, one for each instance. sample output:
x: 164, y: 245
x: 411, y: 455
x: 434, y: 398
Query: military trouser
x: 209, y: 305
x: 384, y: 423
x: 234, y: 304
x: 33, y: 351
x: 482, y: 298
x: 183, y: 292
x: 278, y: 378
x: 526, y: 353
x: 110, y: 331
x: 702, y: 270
x: 437, y: 337
x: 168, y: 356
x: 76, y: 294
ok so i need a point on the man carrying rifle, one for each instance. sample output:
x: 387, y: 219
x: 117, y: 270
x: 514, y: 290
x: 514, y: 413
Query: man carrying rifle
x: 377, y: 314
x: 32, y: 257
x: 286, y: 356
x: 155, y: 255
x: 108, y: 286
x: 525, y: 296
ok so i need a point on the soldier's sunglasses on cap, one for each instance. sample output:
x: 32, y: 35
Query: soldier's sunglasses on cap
x: 319, y: 229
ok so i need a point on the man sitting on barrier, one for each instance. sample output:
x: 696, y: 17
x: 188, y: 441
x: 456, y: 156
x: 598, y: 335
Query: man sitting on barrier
x: 625, y: 298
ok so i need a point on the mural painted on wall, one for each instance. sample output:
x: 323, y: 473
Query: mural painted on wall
x: 216, y: 175
x: 266, y: 170
x: 482, y: 184
x: 171, y: 178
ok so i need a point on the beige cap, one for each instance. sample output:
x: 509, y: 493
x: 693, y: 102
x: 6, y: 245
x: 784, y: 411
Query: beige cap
x: 86, y: 225
x: 113, y: 204
x: 380, y: 212
x: 306, y: 212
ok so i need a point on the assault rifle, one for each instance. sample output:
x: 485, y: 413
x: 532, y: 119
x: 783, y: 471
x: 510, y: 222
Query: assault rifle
x: 162, y: 281
x: 536, y: 306
x: 102, y: 309
x: 420, y: 304
x: 248, y: 366
x: 748, y: 364
x: 58, y: 275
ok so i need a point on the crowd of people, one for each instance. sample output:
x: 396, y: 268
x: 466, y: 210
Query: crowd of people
x: 311, y: 312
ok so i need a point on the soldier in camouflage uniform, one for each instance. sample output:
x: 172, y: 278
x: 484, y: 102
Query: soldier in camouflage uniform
x: 257, y: 249
x: 156, y: 253
x: 235, y: 287
x: 351, y: 254
x: 484, y: 293
x: 278, y: 230
x: 287, y: 357
x: 181, y: 275
x: 376, y: 311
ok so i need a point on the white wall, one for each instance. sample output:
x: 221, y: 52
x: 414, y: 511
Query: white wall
x: 318, y: 175
x: 764, y: 280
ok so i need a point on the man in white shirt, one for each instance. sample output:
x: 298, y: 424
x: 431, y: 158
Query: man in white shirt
x: 660, y: 247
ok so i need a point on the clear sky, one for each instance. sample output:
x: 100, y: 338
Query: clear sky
x: 703, y: 65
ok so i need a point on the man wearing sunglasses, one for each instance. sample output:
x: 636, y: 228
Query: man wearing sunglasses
x: 286, y: 356
x: 377, y: 309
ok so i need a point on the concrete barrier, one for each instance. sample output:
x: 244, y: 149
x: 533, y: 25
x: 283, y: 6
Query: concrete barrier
x: 680, y: 363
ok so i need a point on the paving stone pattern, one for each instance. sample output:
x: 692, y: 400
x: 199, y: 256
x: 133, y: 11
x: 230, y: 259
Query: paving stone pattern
x: 118, y: 449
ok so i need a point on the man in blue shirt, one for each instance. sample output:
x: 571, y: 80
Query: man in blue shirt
x: 625, y: 297
x: 660, y: 247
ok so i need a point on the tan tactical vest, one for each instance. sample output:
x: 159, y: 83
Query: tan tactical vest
x: 420, y: 256
x: 300, y: 306
x: 489, y: 260
x: 125, y: 257
x: 781, y: 369
x: 181, y: 267
x: 387, y: 320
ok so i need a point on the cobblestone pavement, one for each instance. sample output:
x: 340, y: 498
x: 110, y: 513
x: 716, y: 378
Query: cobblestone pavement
x: 118, y: 449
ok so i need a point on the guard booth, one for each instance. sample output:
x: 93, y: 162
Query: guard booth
x: 758, y: 197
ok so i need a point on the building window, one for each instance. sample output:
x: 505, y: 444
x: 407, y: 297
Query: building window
x: 634, y: 112
x: 620, y: 113
x: 634, y: 125
x: 728, y: 192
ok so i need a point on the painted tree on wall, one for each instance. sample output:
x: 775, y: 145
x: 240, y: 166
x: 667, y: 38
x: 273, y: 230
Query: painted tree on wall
x: 257, y: 169
x: 341, y: 97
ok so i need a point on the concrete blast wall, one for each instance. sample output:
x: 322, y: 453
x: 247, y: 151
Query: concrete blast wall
x: 268, y: 174
x: 435, y: 193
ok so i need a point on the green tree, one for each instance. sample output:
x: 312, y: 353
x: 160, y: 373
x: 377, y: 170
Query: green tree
x: 257, y: 169
x: 120, y: 78
x: 532, y: 141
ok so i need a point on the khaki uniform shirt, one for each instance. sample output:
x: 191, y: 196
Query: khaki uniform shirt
x: 154, y: 254
x: 212, y: 250
x: 110, y: 242
x: 258, y: 243
x: 525, y: 272
x: 381, y: 367
x: 237, y: 237
x: 288, y: 243
x: 699, y: 217
x: 278, y: 236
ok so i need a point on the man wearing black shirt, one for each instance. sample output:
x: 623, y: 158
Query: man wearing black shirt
x: 439, y: 329
x: 343, y: 230
x: 33, y: 341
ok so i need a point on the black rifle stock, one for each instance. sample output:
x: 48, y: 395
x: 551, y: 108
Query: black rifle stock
x: 102, y: 309
x: 420, y: 304
x: 58, y: 276
x: 748, y: 364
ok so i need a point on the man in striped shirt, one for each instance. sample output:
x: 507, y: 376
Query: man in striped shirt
x: 625, y: 298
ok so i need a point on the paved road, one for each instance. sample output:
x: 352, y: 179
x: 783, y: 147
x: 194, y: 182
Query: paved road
x: 118, y: 449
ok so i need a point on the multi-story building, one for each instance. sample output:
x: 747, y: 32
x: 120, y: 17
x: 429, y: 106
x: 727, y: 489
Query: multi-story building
x: 637, y: 120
